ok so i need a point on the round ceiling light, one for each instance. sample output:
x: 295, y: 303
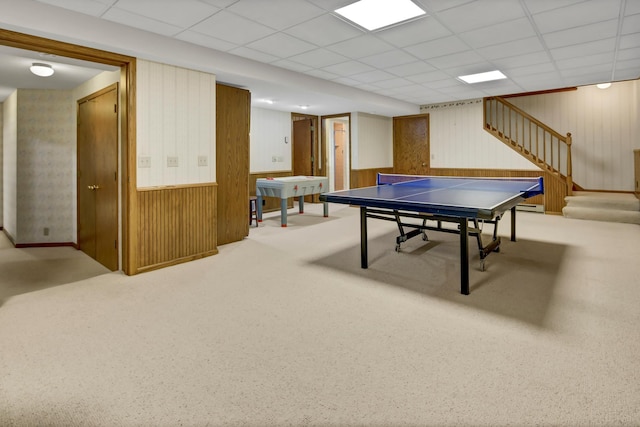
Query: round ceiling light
x: 603, y: 85
x: 41, y: 69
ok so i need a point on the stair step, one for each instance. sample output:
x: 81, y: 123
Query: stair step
x: 614, y: 201
x: 596, y: 214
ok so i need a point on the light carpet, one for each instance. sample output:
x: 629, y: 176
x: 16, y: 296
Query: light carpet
x: 284, y: 328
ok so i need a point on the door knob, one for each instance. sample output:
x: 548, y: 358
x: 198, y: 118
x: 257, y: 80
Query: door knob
x: 96, y: 187
x: 91, y: 187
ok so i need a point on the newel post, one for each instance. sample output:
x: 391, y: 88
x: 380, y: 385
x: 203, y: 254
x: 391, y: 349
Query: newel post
x: 569, y: 166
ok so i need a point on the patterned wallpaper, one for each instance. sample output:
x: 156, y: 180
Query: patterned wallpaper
x: 46, y: 151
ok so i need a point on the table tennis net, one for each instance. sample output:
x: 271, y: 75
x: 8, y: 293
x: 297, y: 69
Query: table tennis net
x: 531, y: 186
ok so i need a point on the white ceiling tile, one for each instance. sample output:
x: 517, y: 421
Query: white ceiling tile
x: 626, y: 54
x: 439, y: 47
x: 632, y: 7
x: 256, y: 55
x: 420, y: 30
x: 388, y: 59
x: 224, y: 25
x: 88, y: 7
x: 514, y: 73
x: 538, y: 6
x: 372, y: 76
x: 136, y: 21
x: 627, y: 73
x: 277, y: 14
x: 498, y: 33
x: 281, y: 45
x: 428, y: 77
x: 587, y: 33
x: 584, y: 49
x: 183, y: 14
x: 525, y: 60
x: 324, y: 30
x: 512, y: 48
x: 602, y: 70
x: 322, y: 74
x: 586, y: 61
x: 361, y: 46
x: 410, y: 69
x: 219, y: 3
x: 577, y: 15
x: 348, y: 68
x: 291, y: 65
x: 478, y: 14
x: 393, y: 83
x: 630, y: 41
x: 204, y: 40
x: 331, y: 5
x: 319, y: 58
x: 456, y: 60
x: 346, y: 81
x: 631, y: 24
x: 440, y: 5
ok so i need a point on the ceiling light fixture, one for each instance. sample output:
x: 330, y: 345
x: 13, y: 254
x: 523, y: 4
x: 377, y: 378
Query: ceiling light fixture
x: 304, y: 107
x: 41, y: 69
x: 603, y: 85
x: 376, y: 14
x: 482, y: 77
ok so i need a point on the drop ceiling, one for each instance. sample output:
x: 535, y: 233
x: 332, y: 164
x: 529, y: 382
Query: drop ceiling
x: 537, y: 44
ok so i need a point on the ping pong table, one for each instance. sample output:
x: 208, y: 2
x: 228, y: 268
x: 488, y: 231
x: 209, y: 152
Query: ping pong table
x: 458, y: 200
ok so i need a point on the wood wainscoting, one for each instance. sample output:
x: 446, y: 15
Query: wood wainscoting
x: 271, y: 204
x: 555, y: 190
x: 175, y: 224
x: 366, y: 177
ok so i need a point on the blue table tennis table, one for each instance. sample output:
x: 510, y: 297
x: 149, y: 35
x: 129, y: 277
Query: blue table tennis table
x: 467, y: 202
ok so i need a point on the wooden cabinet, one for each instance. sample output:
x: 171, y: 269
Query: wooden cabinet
x: 636, y: 159
x: 233, y: 111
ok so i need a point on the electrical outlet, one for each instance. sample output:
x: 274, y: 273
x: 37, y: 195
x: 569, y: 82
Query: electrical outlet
x: 202, y: 160
x: 144, y: 161
x: 280, y: 159
x: 45, y: 231
x: 274, y: 159
x: 172, y: 161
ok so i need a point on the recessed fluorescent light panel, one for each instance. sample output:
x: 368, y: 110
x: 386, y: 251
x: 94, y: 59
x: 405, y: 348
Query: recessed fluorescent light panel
x: 483, y: 77
x: 376, y: 14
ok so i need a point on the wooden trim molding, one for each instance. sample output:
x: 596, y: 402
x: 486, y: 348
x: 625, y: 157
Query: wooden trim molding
x: 127, y: 118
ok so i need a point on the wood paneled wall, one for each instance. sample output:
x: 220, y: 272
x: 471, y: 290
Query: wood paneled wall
x: 366, y: 177
x: 554, y: 190
x: 270, y: 203
x: 175, y: 224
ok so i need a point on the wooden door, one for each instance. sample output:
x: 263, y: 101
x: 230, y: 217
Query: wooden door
x: 411, y: 144
x: 98, y: 176
x: 303, y: 150
x: 233, y: 112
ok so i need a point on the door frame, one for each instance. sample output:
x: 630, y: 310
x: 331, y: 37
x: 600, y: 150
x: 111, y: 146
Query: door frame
x: 126, y: 117
x: 328, y: 144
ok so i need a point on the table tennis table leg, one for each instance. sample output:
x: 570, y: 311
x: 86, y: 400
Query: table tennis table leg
x: 364, y: 262
x: 464, y: 256
x: 513, y: 224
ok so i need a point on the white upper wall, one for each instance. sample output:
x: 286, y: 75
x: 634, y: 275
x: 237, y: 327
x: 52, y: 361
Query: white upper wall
x: 458, y: 139
x: 604, y: 126
x: 176, y: 119
x: 371, y: 141
x: 268, y: 150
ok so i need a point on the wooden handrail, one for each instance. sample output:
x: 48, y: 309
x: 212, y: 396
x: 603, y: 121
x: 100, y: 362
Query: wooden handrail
x: 500, y: 116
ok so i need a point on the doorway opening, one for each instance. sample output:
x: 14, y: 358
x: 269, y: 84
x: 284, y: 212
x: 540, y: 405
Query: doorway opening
x: 336, y: 136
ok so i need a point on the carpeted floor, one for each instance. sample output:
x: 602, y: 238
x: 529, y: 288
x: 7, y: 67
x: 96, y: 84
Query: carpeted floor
x: 285, y: 328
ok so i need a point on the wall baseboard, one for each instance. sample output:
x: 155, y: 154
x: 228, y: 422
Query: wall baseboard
x: 46, y: 245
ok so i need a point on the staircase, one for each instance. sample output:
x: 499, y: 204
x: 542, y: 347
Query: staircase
x: 612, y: 207
x: 537, y: 142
